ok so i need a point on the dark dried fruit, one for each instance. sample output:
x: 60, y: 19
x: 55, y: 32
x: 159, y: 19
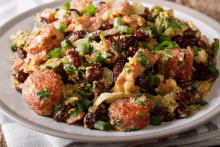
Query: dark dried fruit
x: 132, y: 50
x: 22, y: 53
x: 188, y: 87
x: 44, y: 20
x: 100, y: 87
x: 142, y: 82
x: 73, y: 58
x: 145, y: 16
x: 21, y: 76
x: 185, y: 97
x: 181, y: 111
x: 141, y: 36
x: 183, y: 42
x: 106, y: 26
x: 186, y: 43
x: 79, y: 34
x: 200, y: 43
x: 75, y: 11
x: 163, y: 113
x: 60, y: 115
x: 93, y: 115
x: 118, y: 67
x: 94, y: 73
x: 19, y: 87
x: 189, y: 33
x: 126, y: 42
x: 96, y: 36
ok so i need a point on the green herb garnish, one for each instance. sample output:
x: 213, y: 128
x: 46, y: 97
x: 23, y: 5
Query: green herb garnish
x: 143, y: 60
x: 90, y: 9
x: 66, y: 5
x: 125, y: 29
x: 117, y: 124
x: 195, y: 50
x: 65, y: 43
x: 55, y: 53
x: 156, y: 121
x: 154, y: 80
x: 77, y: 110
x: 102, y: 125
x: 214, y: 71
x: 62, y: 27
x: 117, y: 21
x: 180, y: 63
x: 215, y: 46
x: 43, y: 94
x: 131, y: 129
x: 14, y: 48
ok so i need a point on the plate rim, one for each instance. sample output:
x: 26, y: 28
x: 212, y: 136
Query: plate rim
x: 85, y: 138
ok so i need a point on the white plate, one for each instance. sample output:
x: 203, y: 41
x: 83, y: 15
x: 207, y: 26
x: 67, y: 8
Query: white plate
x: 12, y: 104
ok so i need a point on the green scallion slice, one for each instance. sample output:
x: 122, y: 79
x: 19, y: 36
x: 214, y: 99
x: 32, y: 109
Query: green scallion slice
x: 156, y: 121
x: 102, y: 125
x: 117, y: 21
x: 55, y: 53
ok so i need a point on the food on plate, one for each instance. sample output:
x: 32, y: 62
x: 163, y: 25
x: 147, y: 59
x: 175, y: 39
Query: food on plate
x: 113, y: 66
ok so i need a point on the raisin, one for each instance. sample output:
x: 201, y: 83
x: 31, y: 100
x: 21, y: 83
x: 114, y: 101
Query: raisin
x: 163, y: 113
x: 141, y: 36
x: 44, y: 20
x: 189, y: 33
x: 93, y: 115
x: 118, y: 67
x: 188, y: 87
x: 185, y: 97
x: 73, y: 58
x: 96, y: 36
x: 145, y: 16
x: 21, y: 76
x: 181, y: 111
x: 200, y: 43
x: 75, y: 11
x: 126, y: 42
x: 100, y: 87
x: 60, y: 115
x: 132, y: 50
x: 142, y: 82
x: 79, y: 34
x: 19, y: 87
x: 22, y: 53
x: 106, y: 26
x: 94, y: 73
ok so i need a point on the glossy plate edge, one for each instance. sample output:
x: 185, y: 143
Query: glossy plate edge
x: 82, y: 138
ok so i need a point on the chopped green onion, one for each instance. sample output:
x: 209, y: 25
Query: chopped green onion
x: 172, y: 25
x: 153, y: 30
x: 83, y: 94
x: 90, y: 9
x: 55, y: 53
x: 89, y: 64
x: 117, y: 124
x: 66, y: 5
x: 100, y: 59
x: 140, y: 102
x: 109, y: 56
x: 65, y: 43
x: 43, y: 94
x: 156, y: 121
x: 215, y: 46
x: 159, y: 29
x: 214, y: 71
x: 86, y: 85
x: 166, y: 54
x: 125, y: 29
x: 117, y: 21
x: 70, y: 68
x: 180, y: 63
x: 57, y: 9
x: 165, y: 45
x: 164, y: 38
x: 131, y: 129
x: 195, y: 50
x: 84, y: 47
x: 102, y: 125
x: 49, y: 67
x: 62, y: 27
x: 143, y: 60
x: 202, y: 102
x: 154, y: 80
x: 14, y: 48
x: 77, y: 110
x: 85, y: 103
x: 159, y: 9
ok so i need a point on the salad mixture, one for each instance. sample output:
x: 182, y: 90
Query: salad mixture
x: 113, y: 66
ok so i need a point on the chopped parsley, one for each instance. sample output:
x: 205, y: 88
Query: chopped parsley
x: 100, y: 59
x: 202, y: 102
x: 159, y: 9
x: 195, y: 50
x: 154, y: 80
x: 66, y: 5
x: 140, y: 102
x: 49, y: 67
x: 14, y: 48
x: 166, y: 54
x: 62, y: 27
x: 180, y: 63
x: 131, y: 129
x: 83, y: 94
x: 70, y: 68
x: 86, y: 85
x: 117, y: 124
x: 77, y: 110
x: 143, y: 60
x: 42, y: 95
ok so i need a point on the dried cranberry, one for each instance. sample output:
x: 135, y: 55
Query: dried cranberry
x: 60, y: 115
x: 188, y: 87
x: 199, y: 66
x: 79, y: 34
x: 22, y: 53
x: 126, y: 42
x: 106, y: 26
x: 178, y: 39
x: 145, y: 16
x: 19, y: 87
x: 163, y: 113
x: 132, y: 50
x: 189, y: 33
x: 63, y: 75
x: 100, y: 87
x: 21, y: 76
x: 142, y: 82
x: 75, y: 11
x: 203, y: 76
x: 185, y: 97
x: 44, y: 20
x: 200, y: 43
x: 118, y: 67
x: 73, y: 58
x: 94, y: 73
x: 93, y: 115
x: 186, y: 43
x: 181, y: 111
x: 141, y: 36
x: 96, y: 36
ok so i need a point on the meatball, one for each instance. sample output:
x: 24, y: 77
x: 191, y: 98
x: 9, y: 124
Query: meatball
x: 129, y: 114
x: 42, y: 91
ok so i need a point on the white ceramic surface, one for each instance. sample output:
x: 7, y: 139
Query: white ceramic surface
x: 12, y: 104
